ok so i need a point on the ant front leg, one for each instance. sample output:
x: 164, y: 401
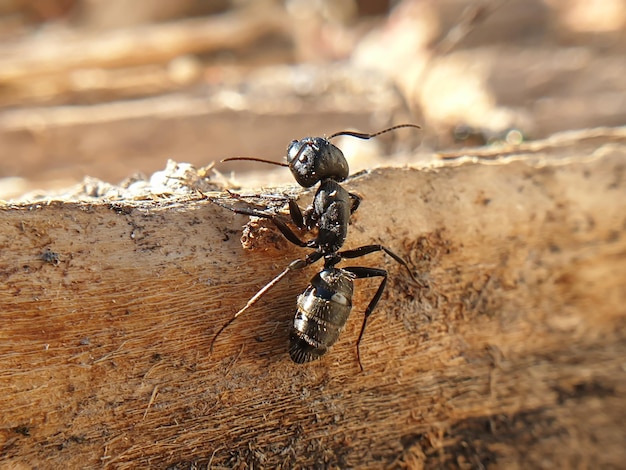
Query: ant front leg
x: 282, y: 226
x: 361, y: 273
x: 294, y: 210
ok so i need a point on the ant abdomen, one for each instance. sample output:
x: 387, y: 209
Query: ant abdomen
x: 323, y: 310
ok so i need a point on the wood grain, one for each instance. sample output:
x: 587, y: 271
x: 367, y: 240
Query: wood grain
x: 511, y: 357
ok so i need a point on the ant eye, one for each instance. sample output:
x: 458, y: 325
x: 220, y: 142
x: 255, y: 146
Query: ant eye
x: 292, y: 151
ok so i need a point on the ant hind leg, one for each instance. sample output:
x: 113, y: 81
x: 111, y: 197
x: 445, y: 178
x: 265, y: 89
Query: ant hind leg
x: 297, y: 264
x: 361, y: 273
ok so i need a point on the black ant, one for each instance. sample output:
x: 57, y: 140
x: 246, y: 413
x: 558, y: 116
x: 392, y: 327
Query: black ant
x: 325, y: 305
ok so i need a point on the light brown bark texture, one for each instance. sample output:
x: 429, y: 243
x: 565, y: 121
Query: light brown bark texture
x: 510, y: 356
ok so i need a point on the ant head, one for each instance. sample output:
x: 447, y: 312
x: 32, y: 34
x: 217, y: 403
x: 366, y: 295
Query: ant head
x: 313, y: 159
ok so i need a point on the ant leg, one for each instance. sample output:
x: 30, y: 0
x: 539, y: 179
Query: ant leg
x: 356, y: 201
x: 284, y: 229
x: 361, y: 273
x: 367, y: 249
x: 271, y: 197
x: 296, y: 214
x: 294, y: 210
x: 296, y: 264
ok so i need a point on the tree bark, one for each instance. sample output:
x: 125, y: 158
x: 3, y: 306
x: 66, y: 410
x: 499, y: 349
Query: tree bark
x: 511, y: 354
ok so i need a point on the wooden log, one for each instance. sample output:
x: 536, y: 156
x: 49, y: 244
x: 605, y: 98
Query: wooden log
x: 512, y: 356
x: 134, y: 46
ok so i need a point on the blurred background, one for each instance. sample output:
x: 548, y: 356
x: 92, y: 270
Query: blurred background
x: 112, y: 88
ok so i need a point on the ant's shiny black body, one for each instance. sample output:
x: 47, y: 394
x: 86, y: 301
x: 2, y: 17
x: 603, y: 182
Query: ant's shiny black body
x: 323, y: 308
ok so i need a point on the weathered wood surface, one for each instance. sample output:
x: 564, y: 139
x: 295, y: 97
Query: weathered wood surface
x: 512, y: 357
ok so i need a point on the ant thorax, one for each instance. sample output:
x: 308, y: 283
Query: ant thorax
x: 330, y: 212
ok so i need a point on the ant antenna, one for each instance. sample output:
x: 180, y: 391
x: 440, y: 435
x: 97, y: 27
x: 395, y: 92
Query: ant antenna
x: 358, y: 135
x: 362, y: 135
x: 253, y: 159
